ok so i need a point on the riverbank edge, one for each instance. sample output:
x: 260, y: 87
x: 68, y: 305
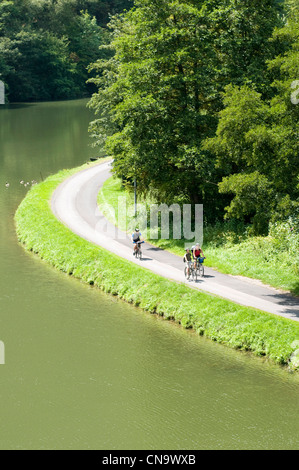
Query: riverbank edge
x: 220, y: 320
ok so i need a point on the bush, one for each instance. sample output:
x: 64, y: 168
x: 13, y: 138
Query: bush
x: 285, y: 241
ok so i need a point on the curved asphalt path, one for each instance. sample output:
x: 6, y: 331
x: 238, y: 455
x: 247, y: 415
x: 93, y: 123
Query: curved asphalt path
x: 74, y: 203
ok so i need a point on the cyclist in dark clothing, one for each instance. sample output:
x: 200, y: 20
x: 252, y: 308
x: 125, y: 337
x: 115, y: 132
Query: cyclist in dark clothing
x: 136, y: 238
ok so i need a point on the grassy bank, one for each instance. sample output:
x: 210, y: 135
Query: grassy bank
x: 221, y: 320
x: 273, y: 260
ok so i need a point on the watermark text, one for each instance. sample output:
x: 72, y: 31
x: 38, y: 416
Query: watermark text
x: 157, y: 221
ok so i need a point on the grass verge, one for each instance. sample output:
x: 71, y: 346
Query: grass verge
x: 268, y: 259
x: 220, y: 320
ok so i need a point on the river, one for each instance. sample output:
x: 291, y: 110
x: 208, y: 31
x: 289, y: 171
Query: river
x: 87, y: 371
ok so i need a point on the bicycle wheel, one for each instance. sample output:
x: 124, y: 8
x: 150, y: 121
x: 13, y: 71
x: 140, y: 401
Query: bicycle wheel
x: 194, y: 275
x: 186, y: 273
x: 140, y: 254
x: 201, y: 270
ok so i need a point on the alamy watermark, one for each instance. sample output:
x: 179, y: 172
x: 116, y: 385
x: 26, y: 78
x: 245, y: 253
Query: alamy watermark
x: 295, y: 94
x: 155, y: 221
x: 2, y: 353
x: 2, y: 93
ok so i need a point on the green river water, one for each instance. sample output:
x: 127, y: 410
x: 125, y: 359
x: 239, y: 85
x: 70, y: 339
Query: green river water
x: 84, y: 370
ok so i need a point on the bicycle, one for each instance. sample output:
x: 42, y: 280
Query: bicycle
x: 192, y: 273
x: 138, y: 252
x: 200, y: 270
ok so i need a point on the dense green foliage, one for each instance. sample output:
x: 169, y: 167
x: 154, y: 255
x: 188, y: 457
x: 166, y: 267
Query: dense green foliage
x: 196, y: 104
x: 257, y: 143
x: 220, y: 320
x: 47, y: 45
x: 197, y: 99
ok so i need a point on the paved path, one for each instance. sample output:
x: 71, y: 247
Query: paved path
x: 75, y: 204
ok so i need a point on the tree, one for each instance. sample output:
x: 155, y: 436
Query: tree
x: 253, y: 201
x: 85, y: 37
x: 160, y: 95
x: 38, y: 66
x: 257, y: 144
x: 47, y: 45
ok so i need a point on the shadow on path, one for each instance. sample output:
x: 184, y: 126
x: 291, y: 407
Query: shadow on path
x: 288, y: 301
x: 155, y: 249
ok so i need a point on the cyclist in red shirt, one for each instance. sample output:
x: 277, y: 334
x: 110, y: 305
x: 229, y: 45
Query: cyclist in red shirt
x: 197, y: 253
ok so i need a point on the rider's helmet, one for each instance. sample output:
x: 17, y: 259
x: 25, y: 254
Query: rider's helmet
x: 187, y: 249
x: 137, y: 230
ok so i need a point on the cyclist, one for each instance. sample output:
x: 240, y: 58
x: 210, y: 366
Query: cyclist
x: 188, y: 260
x: 197, y: 253
x: 136, y: 238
